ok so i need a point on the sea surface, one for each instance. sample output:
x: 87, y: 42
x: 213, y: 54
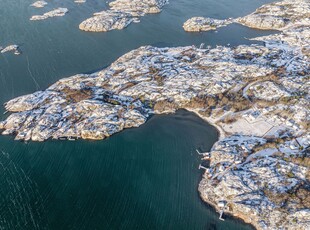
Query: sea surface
x: 142, y: 178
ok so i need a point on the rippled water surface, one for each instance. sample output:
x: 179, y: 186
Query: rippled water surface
x: 143, y: 178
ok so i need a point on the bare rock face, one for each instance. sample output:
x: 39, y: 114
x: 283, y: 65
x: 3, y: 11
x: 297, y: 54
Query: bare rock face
x: 107, y: 20
x: 121, y: 14
x: 138, y: 7
x: 198, y: 24
x: 11, y: 48
x: 277, y: 15
x: 268, y: 91
x: 39, y: 4
x: 123, y: 95
x: 264, y: 22
x: 80, y: 1
x: 274, y: 16
x: 264, y: 179
x: 59, y: 12
x: 261, y: 187
x: 257, y: 96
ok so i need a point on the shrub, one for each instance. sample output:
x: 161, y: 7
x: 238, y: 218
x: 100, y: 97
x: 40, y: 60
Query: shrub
x: 165, y: 105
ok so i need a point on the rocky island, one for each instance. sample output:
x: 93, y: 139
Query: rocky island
x: 39, y: 4
x: 197, y: 24
x: 276, y: 16
x: 59, y: 12
x: 11, y: 48
x: 80, y: 1
x: 121, y: 14
x: 256, y: 95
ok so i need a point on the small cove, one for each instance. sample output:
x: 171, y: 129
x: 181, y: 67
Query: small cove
x: 142, y: 178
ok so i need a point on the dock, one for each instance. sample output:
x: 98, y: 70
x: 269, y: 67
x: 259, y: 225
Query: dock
x: 221, y: 215
x: 199, y: 153
x: 222, y: 205
x: 202, y: 167
x: 205, y: 154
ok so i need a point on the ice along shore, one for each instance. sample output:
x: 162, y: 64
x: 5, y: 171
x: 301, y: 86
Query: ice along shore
x: 258, y: 96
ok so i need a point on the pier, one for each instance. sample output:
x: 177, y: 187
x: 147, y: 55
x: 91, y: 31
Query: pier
x: 221, y: 215
x: 202, y: 167
x: 205, y: 154
x: 222, y: 206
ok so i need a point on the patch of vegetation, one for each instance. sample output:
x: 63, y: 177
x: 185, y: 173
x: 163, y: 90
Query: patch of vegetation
x: 159, y: 80
x: 229, y: 119
x: 165, y: 105
x: 290, y: 174
x: 305, y: 124
x: 77, y: 95
x: 268, y: 145
x: 303, y: 161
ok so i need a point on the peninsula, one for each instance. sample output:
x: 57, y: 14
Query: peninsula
x: 256, y: 95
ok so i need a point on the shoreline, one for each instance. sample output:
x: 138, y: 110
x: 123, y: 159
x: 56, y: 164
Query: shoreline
x: 260, y: 19
x: 228, y: 214
x: 210, y: 121
x: 259, y: 94
x: 214, y: 206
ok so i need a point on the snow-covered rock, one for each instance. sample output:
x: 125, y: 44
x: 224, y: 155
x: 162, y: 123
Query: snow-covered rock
x: 121, y: 14
x: 59, y: 12
x: 197, y: 24
x: 39, y: 4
